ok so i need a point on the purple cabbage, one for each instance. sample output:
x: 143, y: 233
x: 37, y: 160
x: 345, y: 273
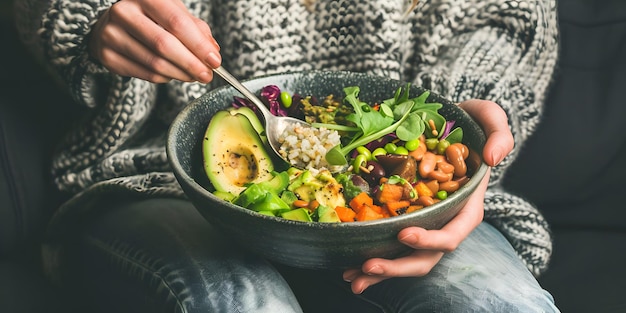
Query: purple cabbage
x: 447, y: 129
x: 270, y: 95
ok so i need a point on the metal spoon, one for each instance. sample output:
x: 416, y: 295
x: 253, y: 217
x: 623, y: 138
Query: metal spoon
x: 274, y: 125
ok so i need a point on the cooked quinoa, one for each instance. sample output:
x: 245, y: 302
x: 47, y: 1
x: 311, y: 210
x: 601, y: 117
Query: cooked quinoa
x: 306, y: 147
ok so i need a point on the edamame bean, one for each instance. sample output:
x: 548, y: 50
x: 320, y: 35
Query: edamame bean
x: 431, y: 143
x: 285, y: 99
x: 364, y: 151
x: 442, y: 145
x: 377, y: 152
x: 442, y: 194
x: 412, y: 145
x: 391, y: 147
x: 401, y: 151
x: 359, y: 162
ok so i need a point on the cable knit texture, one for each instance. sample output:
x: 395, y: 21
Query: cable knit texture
x: 499, y: 50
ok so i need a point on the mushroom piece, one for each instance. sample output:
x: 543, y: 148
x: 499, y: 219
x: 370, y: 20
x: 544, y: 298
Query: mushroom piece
x: 407, y: 169
x: 390, y: 161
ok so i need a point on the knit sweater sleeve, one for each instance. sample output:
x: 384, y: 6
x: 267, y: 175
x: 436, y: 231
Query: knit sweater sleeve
x: 506, y: 52
x: 57, y: 33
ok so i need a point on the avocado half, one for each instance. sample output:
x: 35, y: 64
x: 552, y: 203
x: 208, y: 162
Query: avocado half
x: 233, y: 152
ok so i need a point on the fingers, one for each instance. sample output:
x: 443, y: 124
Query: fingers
x: 495, y: 125
x: 418, y: 264
x: 449, y: 237
x: 196, y: 37
x: 141, y: 39
x: 429, y: 245
x: 127, y: 56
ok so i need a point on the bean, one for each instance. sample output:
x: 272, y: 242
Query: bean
x: 418, y: 153
x: 445, y: 167
x: 401, y: 150
x: 428, y: 163
x: 377, y: 152
x: 431, y: 143
x: 442, y: 194
x: 462, y: 180
x: 454, y: 154
x: 390, y: 147
x: 449, y: 186
x: 412, y: 145
x: 285, y: 99
x: 364, y: 151
x: 464, y: 149
x: 442, y: 145
x: 300, y: 203
x: 313, y: 205
x: 359, y: 161
x: 440, y: 176
x: 426, y: 200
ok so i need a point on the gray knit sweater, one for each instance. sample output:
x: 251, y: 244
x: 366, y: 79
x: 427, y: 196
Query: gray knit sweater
x: 504, y: 51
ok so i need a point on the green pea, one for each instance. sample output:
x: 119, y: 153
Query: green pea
x: 366, y: 108
x: 401, y: 150
x: 390, y: 147
x: 359, y: 161
x: 442, y: 145
x: 364, y: 151
x: 285, y: 99
x: 412, y: 145
x: 431, y: 143
x: 442, y: 194
x: 378, y: 151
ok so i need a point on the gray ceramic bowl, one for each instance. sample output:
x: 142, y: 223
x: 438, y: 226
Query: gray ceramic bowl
x: 309, y: 245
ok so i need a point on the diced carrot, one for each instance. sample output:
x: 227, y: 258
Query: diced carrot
x: 367, y: 213
x: 345, y: 214
x: 377, y: 208
x: 359, y: 200
x: 390, y: 193
x: 413, y: 208
x: 433, y: 185
x: 395, y: 208
x: 423, y: 190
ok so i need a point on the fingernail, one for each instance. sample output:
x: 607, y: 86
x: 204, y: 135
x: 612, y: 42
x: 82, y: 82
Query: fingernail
x: 217, y: 45
x: 214, y: 59
x: 410, y: 239
x: 375, y: 270
x: 496, y: 155
x: 358, y: 291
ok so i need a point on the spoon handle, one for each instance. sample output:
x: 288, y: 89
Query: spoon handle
x: 242, y: 89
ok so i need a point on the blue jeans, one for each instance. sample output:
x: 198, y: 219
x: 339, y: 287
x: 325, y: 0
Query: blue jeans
x: 482, y: 275
x: 163, y: 254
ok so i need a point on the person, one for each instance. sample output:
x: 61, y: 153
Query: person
x: 135, y: 63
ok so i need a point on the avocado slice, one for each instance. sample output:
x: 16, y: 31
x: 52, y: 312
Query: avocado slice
x: 326, y: 214
x: 233, y: 153
x: 300, y: 214
x: 254, y: 120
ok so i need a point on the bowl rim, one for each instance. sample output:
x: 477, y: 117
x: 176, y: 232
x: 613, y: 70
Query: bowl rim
x: 184, y: 178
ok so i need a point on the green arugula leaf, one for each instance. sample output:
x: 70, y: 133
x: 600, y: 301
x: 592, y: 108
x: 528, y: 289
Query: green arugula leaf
x: 408, y: 118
